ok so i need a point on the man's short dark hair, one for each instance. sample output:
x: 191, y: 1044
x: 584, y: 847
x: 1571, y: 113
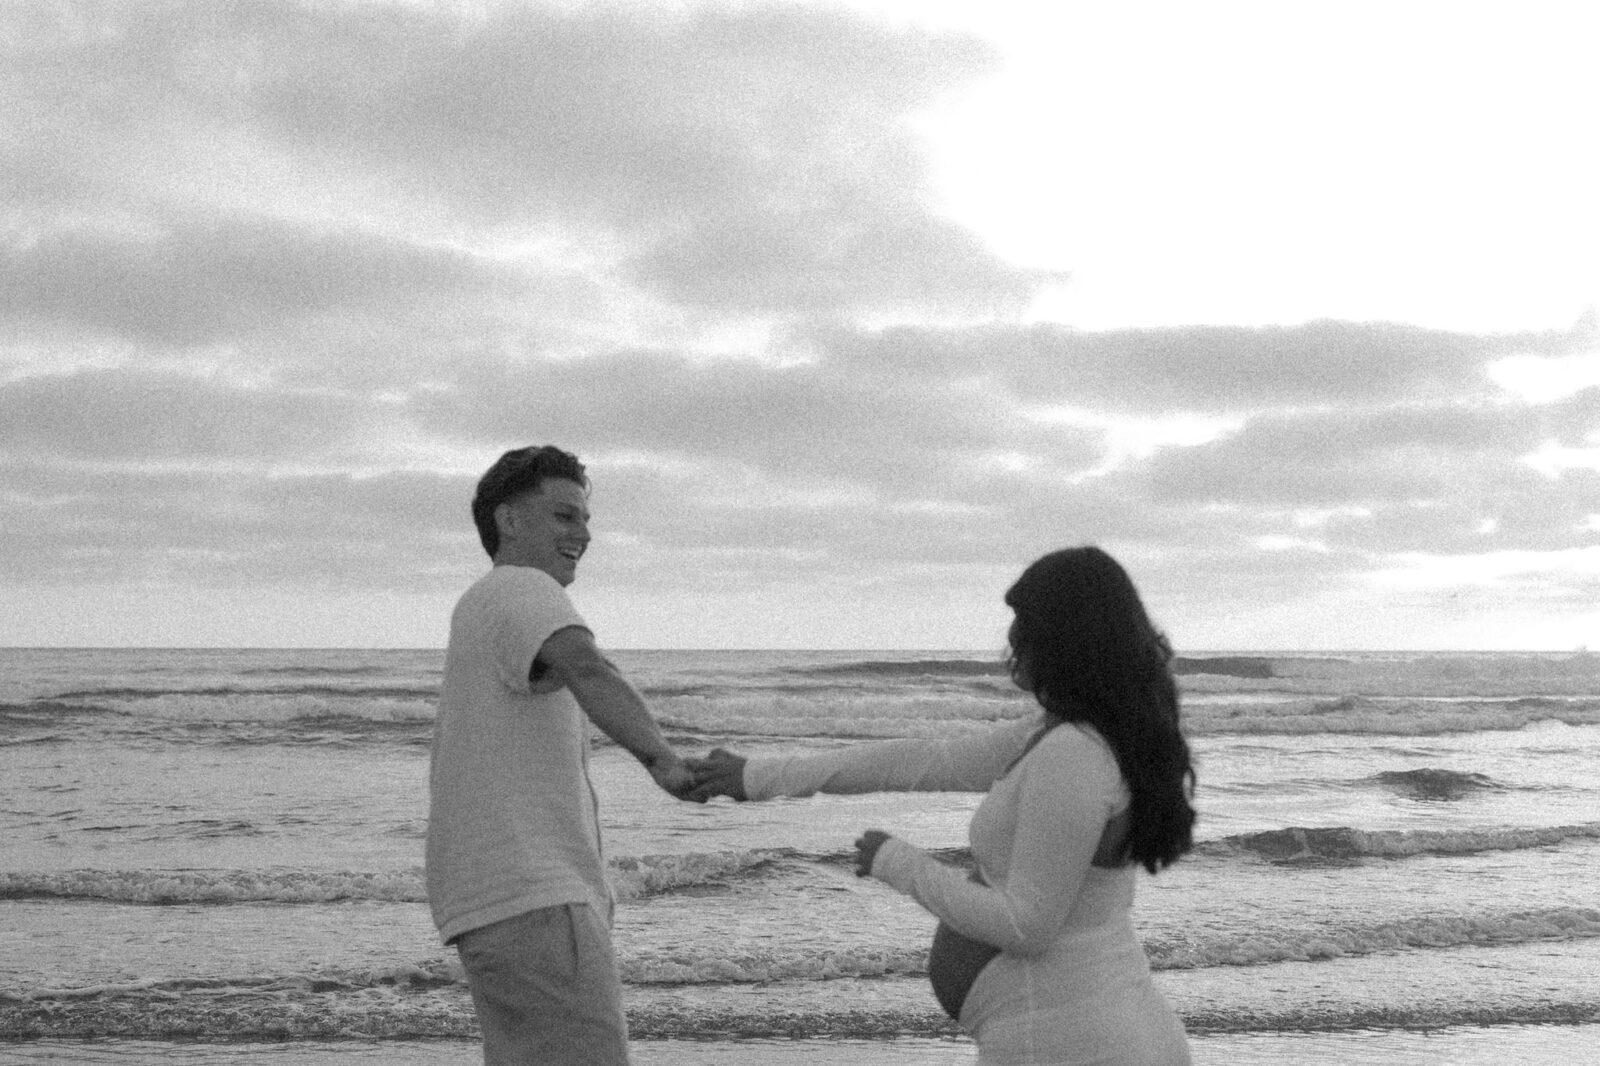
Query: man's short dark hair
x: 518, y: 471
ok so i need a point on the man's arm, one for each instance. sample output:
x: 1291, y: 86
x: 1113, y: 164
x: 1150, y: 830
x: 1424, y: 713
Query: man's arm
x: 613, y: 705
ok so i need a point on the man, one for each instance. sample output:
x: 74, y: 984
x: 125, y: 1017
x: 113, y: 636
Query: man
x: 516, y: 877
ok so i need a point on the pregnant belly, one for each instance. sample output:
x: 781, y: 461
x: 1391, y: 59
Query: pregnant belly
x: 954, y: 962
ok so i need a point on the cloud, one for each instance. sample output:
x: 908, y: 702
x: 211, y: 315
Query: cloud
x: 1207, y: 369
x: 808, y: 423
x: 187, y: 281
x: 278, y: 279
x: 132, y: 417
x: 1424, y: 452
x: 1442, y: 477
x: 752, y: 157
x: 82, y: 525
x: 745, y: 472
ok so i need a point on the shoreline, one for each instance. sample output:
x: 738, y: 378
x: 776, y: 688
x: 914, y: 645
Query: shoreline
x: 1451, y: 1046
x: 1539, y: 984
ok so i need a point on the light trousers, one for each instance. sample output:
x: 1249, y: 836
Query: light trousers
x: 545, y: 988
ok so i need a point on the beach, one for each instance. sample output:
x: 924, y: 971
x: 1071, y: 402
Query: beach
x: 215, y: 856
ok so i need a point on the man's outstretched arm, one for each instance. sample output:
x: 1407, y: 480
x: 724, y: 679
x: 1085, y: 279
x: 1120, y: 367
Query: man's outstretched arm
x: 614, y: 705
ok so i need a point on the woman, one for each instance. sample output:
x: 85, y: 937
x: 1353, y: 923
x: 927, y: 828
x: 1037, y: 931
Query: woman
x: 1098, y: 784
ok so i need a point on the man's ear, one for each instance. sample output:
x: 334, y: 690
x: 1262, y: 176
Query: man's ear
x: 505, y: 520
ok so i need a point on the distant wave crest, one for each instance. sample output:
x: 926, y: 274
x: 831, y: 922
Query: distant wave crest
x: 231, y: 692
x: 1298, y: 844
x: 1383, y: 716
x: 1251, y: 666
x: 910, y: 668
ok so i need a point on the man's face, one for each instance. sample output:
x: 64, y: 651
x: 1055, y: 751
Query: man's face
x: 547, y: 529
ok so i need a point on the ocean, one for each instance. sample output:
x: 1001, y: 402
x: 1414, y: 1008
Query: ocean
x: 214, y: 856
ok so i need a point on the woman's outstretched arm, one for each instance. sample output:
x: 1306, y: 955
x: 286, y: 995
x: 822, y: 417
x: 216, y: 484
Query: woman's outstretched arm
x: 968, y: 763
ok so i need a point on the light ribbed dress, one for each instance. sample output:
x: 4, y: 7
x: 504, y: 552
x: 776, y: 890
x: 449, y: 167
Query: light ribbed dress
x: 1071, y: 986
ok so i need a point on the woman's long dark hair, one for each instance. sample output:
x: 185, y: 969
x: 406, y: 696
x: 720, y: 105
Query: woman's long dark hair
x: 1084, y: 646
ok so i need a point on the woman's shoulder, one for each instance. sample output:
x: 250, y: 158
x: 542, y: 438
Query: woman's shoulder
x: 1080, y: 745
x: 1074, y: 756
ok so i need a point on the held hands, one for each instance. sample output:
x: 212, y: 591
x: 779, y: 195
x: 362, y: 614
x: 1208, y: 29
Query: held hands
x: 674, y: 775
x: 721, y: 773
x: 867, y: 846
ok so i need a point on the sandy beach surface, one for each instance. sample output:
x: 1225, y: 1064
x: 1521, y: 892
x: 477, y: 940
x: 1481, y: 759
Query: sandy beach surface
x: 1509, y: 1045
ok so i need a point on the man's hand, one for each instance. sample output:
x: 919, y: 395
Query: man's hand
x: 720, y: 773
x: 674, y: 775
x: 867, y: 846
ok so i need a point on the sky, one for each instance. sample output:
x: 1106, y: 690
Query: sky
x: 851, y: 311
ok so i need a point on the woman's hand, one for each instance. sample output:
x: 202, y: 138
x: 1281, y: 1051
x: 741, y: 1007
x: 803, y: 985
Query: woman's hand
x: 867, y: 846
x: 720, y: 773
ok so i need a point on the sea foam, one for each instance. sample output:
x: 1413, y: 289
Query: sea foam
x: 632, y: 878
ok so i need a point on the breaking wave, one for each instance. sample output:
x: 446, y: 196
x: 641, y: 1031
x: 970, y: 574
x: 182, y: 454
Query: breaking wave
x: 1383, y: 716
x: 632, y: 878
x: 1302, y: 945
x: 641, y: 877
x: 1432, y: 783
x: 1296, y: 844
x: 699, y: 993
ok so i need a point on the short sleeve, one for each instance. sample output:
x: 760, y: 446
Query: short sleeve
x: 529, y: 608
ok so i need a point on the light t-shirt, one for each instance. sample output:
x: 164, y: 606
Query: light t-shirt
x: 513, y: 823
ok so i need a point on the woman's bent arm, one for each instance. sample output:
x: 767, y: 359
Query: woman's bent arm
x: 1067, y: 790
